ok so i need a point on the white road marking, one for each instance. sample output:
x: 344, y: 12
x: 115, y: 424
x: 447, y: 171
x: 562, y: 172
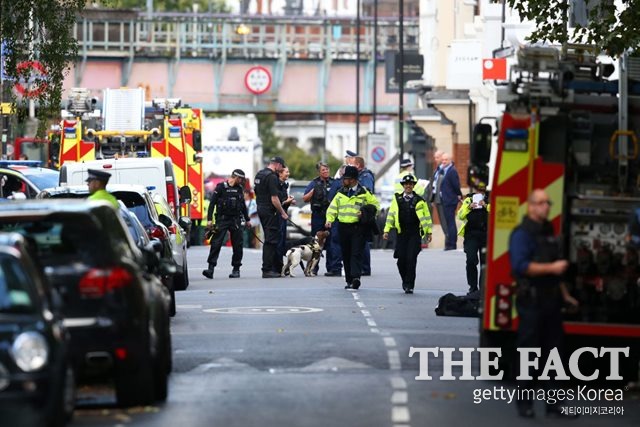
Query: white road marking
x: 355, y: 295
x: 360, y: 304
x: 399, y: 398
x: 389, y: 342
x: 398, y: 383
x: 188, y: 306
x: 375, y: 330
x: 371, y: 322
x: 365, y: 313
x: 400, y: 414
x: 394, y: 360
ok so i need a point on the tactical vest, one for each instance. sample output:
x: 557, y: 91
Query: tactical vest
x: 407, y: 215
x: 477, y: 220
x: 320, y: 197
x: 263, y: 197
x: 229, y: 202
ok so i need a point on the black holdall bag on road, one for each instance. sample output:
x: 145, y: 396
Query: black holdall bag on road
x: 458, y: 305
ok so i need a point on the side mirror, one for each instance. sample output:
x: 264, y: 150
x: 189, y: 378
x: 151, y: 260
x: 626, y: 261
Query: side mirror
x: 185, y: 223
x: 197, y: 140
x: 167, y: 268
x: 481, y: 144
x: 165, y: 220
x: 185, y: 194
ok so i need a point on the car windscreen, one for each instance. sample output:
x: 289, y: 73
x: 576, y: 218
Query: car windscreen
x: 43, y: 178
x: 17, y: 293
x: 136, y: 204
x: 61, y: 238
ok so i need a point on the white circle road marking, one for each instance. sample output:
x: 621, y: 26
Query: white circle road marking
x: 263, y: 310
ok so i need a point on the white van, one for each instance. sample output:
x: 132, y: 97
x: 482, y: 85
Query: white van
x: 155, y: 173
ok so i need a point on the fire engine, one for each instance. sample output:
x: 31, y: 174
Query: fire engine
x: 130, y: 127
x: 568, y: 130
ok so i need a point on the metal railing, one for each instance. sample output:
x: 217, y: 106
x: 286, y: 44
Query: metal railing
x: 234, y: 36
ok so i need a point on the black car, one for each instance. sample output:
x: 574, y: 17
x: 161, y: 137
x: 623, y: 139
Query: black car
x: 138, y: 200
x: 37, y: 385
x: 114, y: 308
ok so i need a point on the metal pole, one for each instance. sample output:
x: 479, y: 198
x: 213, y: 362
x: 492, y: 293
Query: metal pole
x: 401, y: 82
x: 358, y: 76
x: 375, y: 62
x: 504, y: 16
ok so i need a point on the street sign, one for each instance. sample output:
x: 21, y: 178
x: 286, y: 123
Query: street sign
x: 258, y: 80
x: 35, y: 82
x: 378, y: 154
x: 413, y: 68
x: 378, y: 149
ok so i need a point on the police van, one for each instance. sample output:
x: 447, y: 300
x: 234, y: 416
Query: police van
x: 154, y: 173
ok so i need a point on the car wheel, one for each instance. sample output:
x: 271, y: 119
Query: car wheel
x: 181, y: 279
x: 63, y: 401
x: 136, y: 387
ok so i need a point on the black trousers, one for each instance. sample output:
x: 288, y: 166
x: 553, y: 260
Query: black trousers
x: 474, y: 243
x: 233, y: 227
x: 408, y: 246
x: 352, y: 241
x: 270, y: 221
x: 540, y: 326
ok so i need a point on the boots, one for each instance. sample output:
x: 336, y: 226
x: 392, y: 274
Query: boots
x: 235, y: 274
x: 208, y: 273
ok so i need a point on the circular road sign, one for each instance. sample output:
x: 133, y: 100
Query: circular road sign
x: 378, y: 154
x: 33, y: 71
x: 257, y: 80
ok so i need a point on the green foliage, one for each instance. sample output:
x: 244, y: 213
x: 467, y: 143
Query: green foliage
x: 613, y: 32
x: 49, y: 41
x: 213, y: 6
x: 302, y: 166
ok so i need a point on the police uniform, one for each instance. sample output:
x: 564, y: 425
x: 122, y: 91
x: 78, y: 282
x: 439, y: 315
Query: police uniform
x: 538, y: 298
x: 283, y: 194
x: 101, y: 194
x: 474, y: 231
x: 267, y: 185
x: 409, y: 216
x: 345, y: 208
x: 228, y: 203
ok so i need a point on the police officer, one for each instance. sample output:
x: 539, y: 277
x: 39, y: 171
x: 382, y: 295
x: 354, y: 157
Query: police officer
x: 406, y: 168
x: 97, y: 182
x: 409, y: 216
x: 367, y: 179
x: 270, y: 211
x: 474, y: 213
x: 317, y: 194
x: 348, y: 208
x: 537, y: 266
x: 227, y: 201
x: 286, y: 200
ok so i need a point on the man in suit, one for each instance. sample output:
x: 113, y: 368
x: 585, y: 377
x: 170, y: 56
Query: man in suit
x: 433, y: 198
x: 448, y: 189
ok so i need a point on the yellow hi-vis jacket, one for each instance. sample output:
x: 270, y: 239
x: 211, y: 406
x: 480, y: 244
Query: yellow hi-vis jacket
x: 393, y: 217
x: 345, y: 209
x: 464, y: 211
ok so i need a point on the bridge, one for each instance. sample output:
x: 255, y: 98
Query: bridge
x: 204, y: 59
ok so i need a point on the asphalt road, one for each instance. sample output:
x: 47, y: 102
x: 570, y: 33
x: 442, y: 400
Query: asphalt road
x: 306, y: 352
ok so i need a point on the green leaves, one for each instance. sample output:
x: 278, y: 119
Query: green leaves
x: 613, y: 31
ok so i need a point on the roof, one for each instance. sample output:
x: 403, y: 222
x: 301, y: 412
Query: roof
x: 43, y: 207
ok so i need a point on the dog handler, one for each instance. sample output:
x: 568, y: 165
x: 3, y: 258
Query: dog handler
x: 228, y: 202
x: 409, y: 215
x: 346, y: 207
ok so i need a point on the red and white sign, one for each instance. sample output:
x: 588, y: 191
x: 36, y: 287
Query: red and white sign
x: 258, y: 80
x: 494, y: 69
x: 32, y: 70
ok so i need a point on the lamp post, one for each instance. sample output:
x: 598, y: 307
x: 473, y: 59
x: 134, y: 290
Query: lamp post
x: 358, y: 76
x: 375, y: 62
x: 401, y: 81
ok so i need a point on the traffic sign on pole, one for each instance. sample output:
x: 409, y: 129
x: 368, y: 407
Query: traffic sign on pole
x: 258, y: 80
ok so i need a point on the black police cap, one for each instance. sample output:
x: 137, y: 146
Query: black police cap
x: 351, y: 154
x: 406, y: 163
x: 238, y: 173
x: 278, y: 159
x: 408, y: 178
x: 98, y: 175
x: 350, y: 172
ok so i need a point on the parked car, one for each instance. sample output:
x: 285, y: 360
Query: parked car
x: 178, y: 231
x: 25, y: 179
x: 300, y: 213
x: 138, y: 200
x: 114, y: 309
x: 37, y: 383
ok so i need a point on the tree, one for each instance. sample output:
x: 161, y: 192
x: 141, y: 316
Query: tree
x: 37, y: 55
x: 214, y: 6
x: 613, y: 31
